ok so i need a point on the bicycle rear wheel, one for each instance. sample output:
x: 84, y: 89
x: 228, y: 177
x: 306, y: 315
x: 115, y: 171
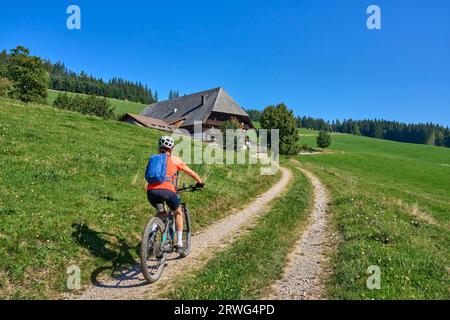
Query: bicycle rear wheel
x: 186, y: 232
x: 153, y: 259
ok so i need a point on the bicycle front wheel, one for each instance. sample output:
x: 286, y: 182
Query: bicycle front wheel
x: 153, y: 259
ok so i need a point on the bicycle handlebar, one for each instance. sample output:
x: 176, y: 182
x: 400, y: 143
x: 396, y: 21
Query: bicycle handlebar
x: 191, y: 188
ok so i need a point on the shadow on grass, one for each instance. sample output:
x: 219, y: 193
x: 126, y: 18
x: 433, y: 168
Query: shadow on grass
x: 123, y: 269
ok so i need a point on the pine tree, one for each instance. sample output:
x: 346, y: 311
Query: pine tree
x: 324, y: 139
x: 6, y: 86
x: 255, y: 115
x: 3, y: 61
x: 447, y: 139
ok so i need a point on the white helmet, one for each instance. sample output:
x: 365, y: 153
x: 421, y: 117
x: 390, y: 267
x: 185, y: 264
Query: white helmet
x: 166, y: 142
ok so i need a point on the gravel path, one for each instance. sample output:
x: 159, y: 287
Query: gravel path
x: 130, y: 283
x: 304, y: 275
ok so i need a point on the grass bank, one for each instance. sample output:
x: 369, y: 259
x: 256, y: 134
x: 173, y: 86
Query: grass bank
x: 71, y: 192
x: 250, y: 266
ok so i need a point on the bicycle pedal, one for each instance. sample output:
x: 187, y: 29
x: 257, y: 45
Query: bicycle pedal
x: 166, y: 247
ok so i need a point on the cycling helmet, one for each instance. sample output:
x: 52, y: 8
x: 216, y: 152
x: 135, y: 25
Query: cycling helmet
x: 166, y: 142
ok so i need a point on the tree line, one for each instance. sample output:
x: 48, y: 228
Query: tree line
x: 63, y: 79
x: 421, y: 133
x: 254, y: 114
x: 173, y: 94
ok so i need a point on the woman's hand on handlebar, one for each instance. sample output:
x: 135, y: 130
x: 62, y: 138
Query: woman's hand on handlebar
x: 200, y: 185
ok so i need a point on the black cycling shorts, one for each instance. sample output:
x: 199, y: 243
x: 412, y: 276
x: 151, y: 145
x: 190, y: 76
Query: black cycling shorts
x: 159, y: 196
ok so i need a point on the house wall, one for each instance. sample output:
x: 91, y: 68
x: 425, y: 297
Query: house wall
x: 216, y: 119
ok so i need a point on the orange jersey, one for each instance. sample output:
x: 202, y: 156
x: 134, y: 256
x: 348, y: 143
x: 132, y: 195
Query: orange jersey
x: 174, y: 164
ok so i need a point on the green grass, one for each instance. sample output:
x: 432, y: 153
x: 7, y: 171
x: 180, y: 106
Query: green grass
x: 120, y: 106
x: 391, y: 204
x: 247, y: 269
x: 71, y: 192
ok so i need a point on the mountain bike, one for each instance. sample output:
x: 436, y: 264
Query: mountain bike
x: 158, y: 240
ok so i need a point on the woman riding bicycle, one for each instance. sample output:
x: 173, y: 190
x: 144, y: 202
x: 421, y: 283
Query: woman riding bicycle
x: 158, y: 193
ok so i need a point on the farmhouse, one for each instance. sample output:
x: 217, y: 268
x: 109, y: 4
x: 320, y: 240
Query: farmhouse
x: 211, y: 108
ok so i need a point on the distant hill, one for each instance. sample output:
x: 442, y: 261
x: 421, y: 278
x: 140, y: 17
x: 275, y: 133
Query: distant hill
x: 420, y: 133
x: 63, y: 79
x: 391, y: 208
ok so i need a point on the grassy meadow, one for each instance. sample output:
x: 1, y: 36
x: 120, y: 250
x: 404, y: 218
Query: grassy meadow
x: 72, y: 192
x: 391, y: 206
x: 120, y: 106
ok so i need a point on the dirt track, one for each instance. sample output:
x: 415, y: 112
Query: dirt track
x: 306, y: 270
x: 131, y: 285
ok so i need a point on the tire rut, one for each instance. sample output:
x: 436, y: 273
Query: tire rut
x: 307, y: 268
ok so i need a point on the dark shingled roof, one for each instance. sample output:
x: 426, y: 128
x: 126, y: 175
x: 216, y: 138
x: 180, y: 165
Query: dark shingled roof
x: 191, y: 109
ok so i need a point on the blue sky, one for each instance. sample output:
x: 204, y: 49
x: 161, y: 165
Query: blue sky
x: 317, y: 56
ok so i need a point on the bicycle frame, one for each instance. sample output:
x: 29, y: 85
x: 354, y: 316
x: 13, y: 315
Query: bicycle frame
x: 169, y: 226
x: 166, y: 214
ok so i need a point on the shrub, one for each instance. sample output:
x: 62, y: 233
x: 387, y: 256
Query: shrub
x: 324, y: 139
x: 306, y: 148
x: 90, y: 105
x: 232, y: 124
